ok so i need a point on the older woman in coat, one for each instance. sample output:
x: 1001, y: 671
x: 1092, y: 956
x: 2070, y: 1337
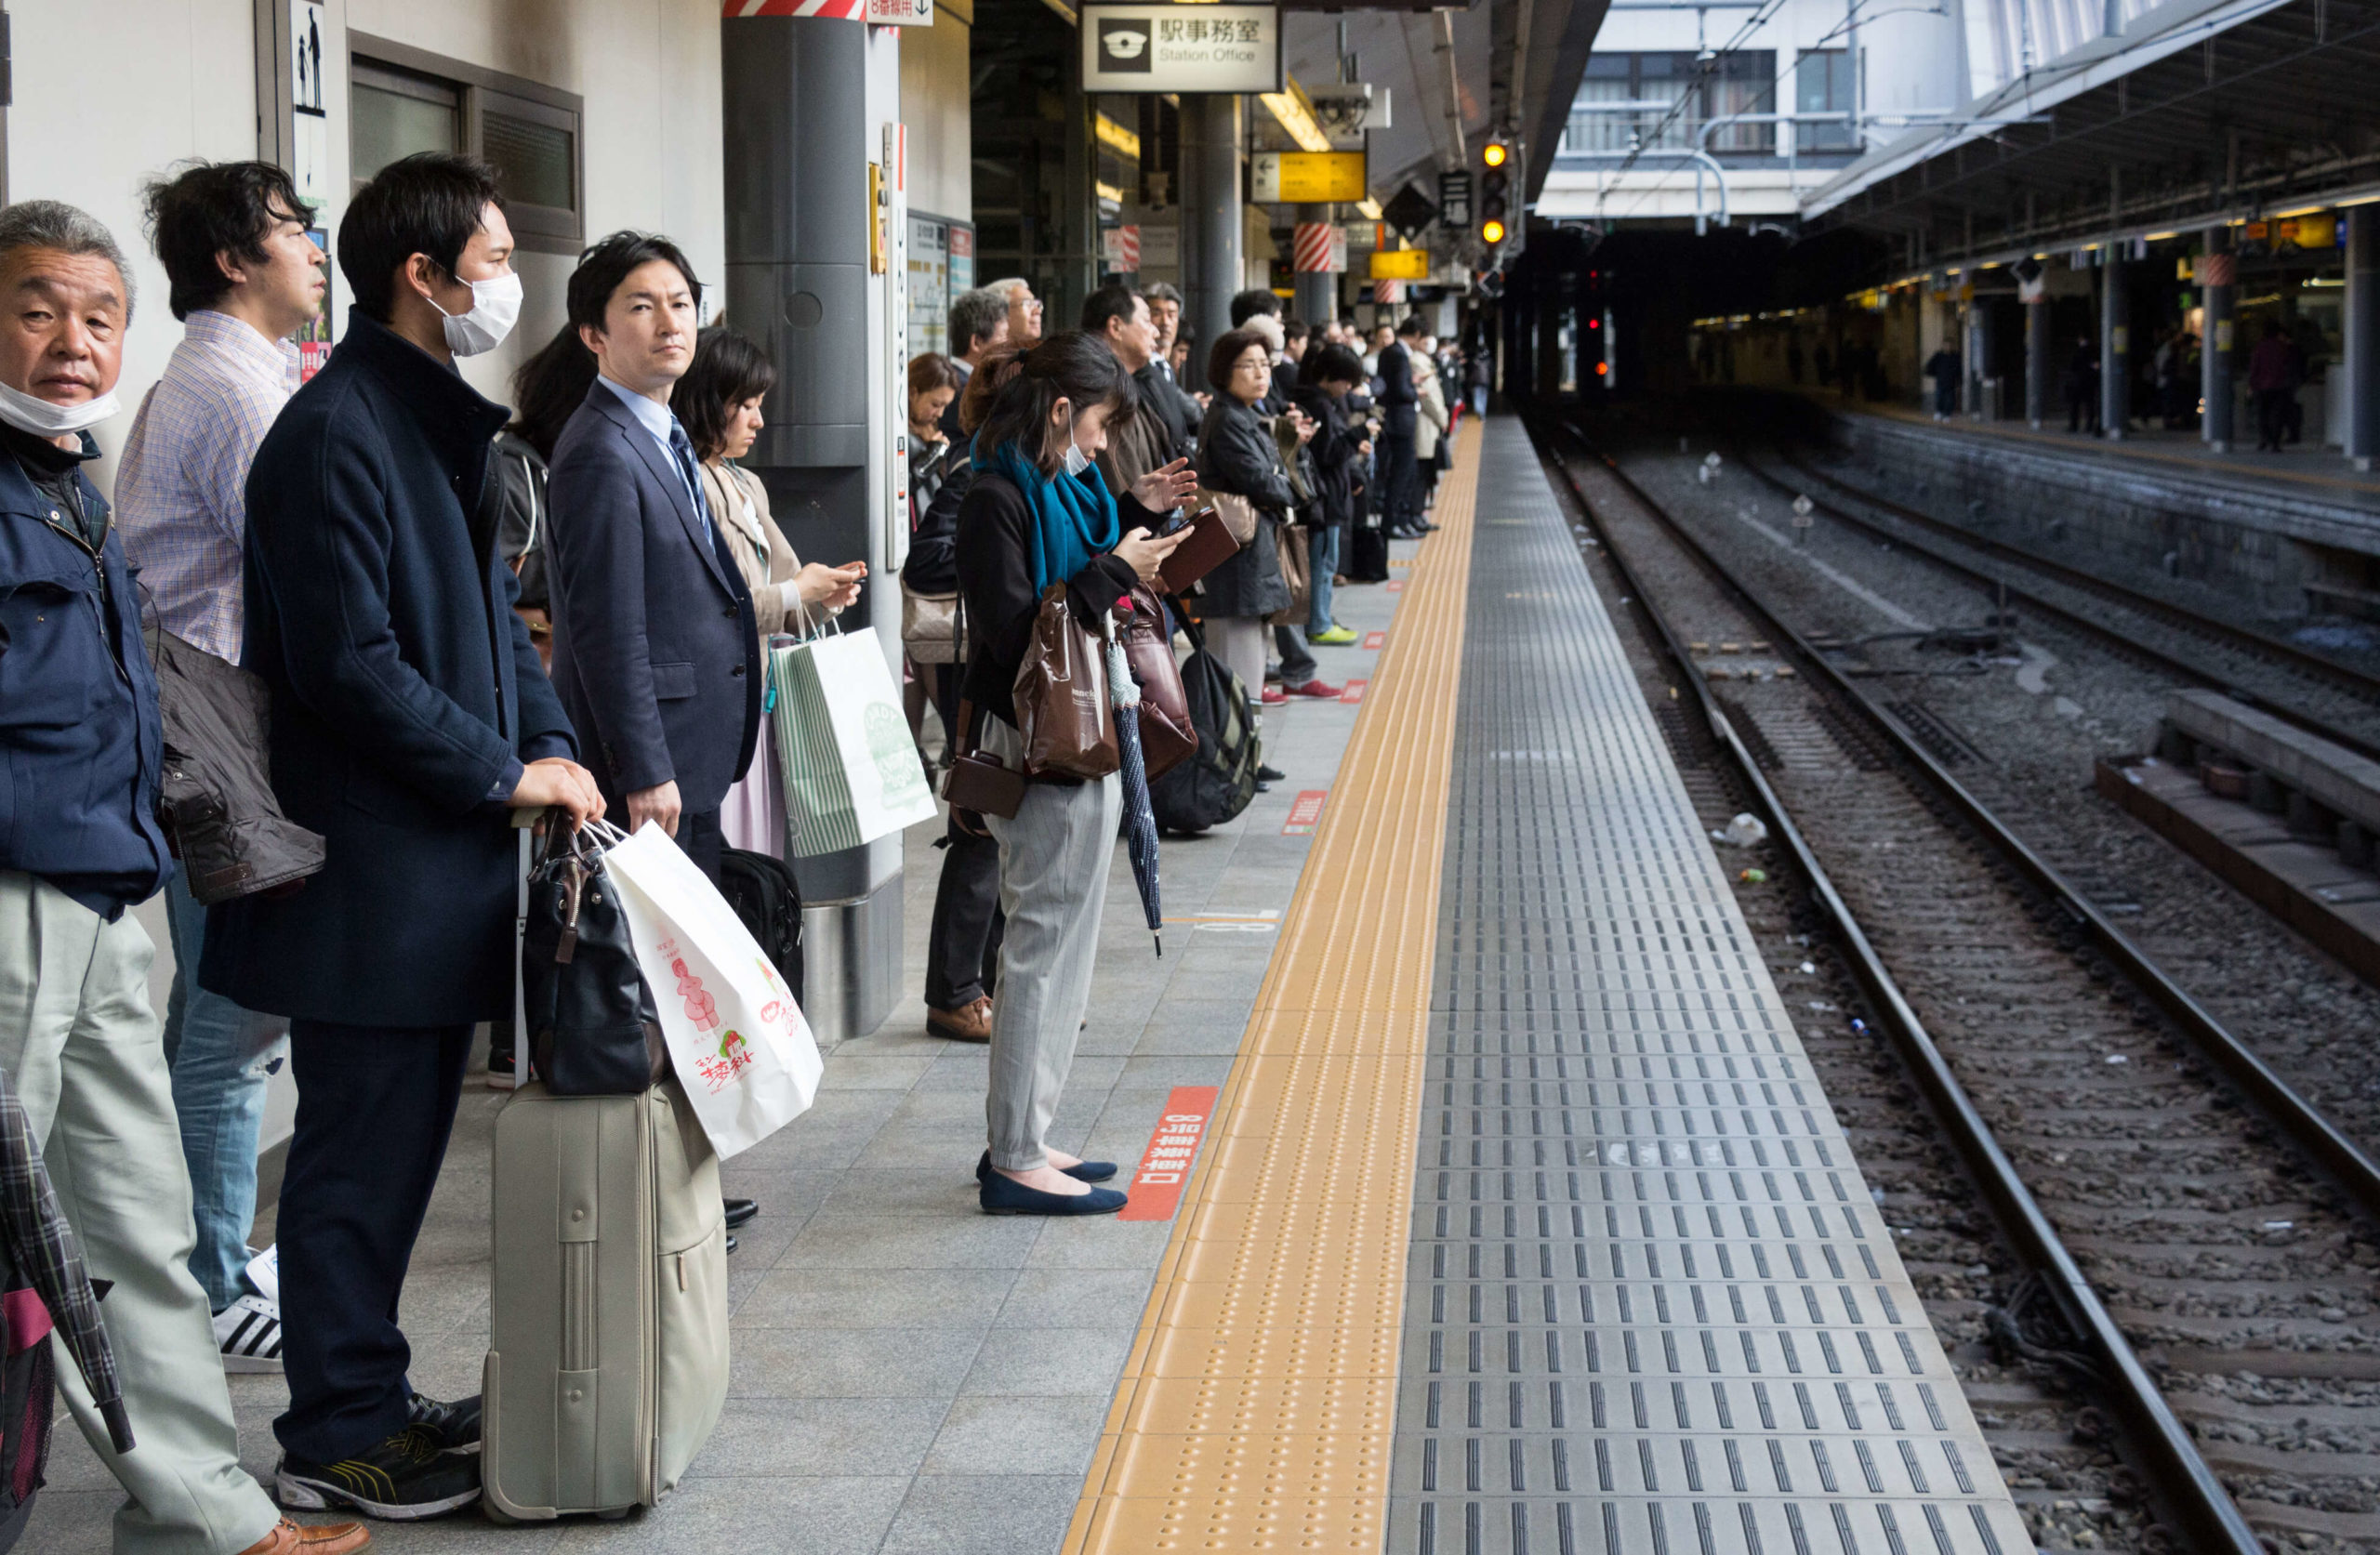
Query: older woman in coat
x: 1237, y: 455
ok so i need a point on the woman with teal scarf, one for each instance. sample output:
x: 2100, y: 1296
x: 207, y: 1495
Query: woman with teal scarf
x: 1039, y: 515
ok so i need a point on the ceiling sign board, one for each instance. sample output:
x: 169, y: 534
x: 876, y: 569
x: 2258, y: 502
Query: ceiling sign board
x: 1182, y: 48
x: 1308, y: 177
x: 1401, y: 264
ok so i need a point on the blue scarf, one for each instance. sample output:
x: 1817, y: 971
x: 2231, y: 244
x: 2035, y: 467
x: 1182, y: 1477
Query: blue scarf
x: 1074, y: 517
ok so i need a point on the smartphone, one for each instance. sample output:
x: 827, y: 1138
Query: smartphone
x: 1181, y: 521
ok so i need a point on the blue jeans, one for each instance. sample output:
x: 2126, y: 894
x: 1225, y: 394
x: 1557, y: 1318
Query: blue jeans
x: 1322, y: 561
x: 222, y: 1058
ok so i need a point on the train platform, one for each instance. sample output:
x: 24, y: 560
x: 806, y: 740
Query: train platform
x: 2320, y: 475
x: 1515, y: 1219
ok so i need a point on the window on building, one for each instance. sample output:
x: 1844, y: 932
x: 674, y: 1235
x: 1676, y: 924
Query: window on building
x: 1665, y: 101
x: 404, y: 100
x: 1822, y: 85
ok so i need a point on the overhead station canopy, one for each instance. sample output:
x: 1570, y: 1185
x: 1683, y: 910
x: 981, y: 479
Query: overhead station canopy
x: 2193, y: 113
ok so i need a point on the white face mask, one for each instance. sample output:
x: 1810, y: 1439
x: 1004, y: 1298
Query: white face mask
x: 1077, y: 460
x: 496, y: 305
x: 44, y: 419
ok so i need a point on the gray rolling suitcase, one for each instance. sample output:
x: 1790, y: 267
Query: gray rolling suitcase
x: 607, y: 1360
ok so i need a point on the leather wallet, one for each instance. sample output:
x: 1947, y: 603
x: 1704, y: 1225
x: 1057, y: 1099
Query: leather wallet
x: 1209, y: 545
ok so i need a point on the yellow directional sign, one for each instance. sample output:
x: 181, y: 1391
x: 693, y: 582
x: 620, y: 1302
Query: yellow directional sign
x: 1401, y: 264
x: 1309, y: 178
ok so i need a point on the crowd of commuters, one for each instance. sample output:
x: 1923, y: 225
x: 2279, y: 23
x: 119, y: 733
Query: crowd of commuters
x: 455, y: 611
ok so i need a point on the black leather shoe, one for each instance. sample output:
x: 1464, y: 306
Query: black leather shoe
x: 455, y: 1427
x: 1082, y: 1171
x: 1005, y: 1195
x: 740, y: 1213
x: 731, y: 1243
x: 1269, y: 774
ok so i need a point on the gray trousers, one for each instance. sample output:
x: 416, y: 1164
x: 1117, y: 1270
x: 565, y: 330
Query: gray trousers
x: 87, y: 1054
x: 1053, y: 884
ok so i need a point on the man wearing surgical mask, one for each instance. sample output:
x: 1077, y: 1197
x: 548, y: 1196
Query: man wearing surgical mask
x: 409, y: 711
x: 79, y: 1041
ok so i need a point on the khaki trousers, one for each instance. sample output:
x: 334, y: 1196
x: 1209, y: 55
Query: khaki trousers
x: 87, y: 1055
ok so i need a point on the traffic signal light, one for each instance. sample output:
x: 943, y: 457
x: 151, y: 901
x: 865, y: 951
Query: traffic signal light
x: 1495, y: 184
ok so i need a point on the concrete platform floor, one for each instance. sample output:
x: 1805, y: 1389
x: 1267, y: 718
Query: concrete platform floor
x: 908, y: 1375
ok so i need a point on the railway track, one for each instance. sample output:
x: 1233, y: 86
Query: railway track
x: 2206, y: 1265
x: 2321, y: 695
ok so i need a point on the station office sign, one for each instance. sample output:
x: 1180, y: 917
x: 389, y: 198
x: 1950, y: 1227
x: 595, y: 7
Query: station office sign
x: 1309, y: 178
x: 1182, y: 48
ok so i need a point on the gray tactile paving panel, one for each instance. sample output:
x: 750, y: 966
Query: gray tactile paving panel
x: 1652, y: 1308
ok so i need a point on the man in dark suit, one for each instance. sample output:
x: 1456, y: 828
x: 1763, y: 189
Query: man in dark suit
x: 1400, y: 420
x: 408, y: 712
x: 656, y: 651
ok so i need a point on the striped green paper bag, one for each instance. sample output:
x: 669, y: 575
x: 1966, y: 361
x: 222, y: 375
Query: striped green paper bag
x: 852, y: 772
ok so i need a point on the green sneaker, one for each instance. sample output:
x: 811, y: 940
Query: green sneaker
x: 1337, y: 637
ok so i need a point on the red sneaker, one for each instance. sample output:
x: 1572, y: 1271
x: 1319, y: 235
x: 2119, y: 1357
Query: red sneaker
x: 1320, y: 691
x: 1274, y: 696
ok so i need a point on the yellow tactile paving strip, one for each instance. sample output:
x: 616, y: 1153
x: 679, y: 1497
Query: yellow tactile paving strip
x: 1259, y: 1405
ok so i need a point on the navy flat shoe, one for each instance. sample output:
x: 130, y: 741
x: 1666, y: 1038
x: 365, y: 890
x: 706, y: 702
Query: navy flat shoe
x: 1005, y: 1195
x: 1082, y: 1171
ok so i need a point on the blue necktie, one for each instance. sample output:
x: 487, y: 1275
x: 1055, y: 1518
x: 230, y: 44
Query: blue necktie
x: 681, y: 449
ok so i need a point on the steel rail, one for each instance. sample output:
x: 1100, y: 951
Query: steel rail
x: 2343, y: 677
x: 2190, y: 1489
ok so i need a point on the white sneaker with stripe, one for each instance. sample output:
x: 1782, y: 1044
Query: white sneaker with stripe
x: 248, y: 1332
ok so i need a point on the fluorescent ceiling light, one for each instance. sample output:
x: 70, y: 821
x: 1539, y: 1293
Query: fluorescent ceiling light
x: 1294, y: 112
x: 1116, y: 136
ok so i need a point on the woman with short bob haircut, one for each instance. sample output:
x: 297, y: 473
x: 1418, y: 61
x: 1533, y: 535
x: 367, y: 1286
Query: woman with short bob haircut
x: 1039, y: 515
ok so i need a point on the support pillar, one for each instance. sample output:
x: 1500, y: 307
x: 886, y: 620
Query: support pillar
x: 1318, y: 291
x: 1211, y: 219
x: 1975, y: 358
x: 2115, y: 346
x: 2219, y: 292
x: 2362, y: 329
x: 2037, y: 363
x: 806, y: 99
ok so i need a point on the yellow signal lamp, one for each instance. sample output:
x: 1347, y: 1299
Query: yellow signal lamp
x: 1492, y: 230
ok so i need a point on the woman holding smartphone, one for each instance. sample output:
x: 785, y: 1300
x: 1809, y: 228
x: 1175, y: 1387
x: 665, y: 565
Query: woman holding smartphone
x: 1038, y: 514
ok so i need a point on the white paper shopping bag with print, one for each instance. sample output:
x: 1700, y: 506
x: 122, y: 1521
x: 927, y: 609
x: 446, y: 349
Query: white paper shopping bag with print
x: 738, y: 1041
x: 852, y: 772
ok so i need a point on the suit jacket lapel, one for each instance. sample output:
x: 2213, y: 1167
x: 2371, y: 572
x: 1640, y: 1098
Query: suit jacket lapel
x: 665, y: 470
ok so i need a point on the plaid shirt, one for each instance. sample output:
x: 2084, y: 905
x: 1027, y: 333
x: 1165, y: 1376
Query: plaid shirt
x: 180, y: 491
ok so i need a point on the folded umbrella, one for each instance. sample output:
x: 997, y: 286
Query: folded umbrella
x: 50, y: 1256
x: 1139, y: 820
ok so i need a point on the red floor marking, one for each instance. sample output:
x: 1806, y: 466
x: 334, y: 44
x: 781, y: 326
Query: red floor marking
x: 1395, y: 586
x: 1375, y: 641
x: 1156, y: 1189
x: 1306, y: 813
x: 1353, y: 692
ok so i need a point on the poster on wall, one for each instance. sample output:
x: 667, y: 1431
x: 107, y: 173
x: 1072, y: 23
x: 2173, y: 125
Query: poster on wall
x: 962, y: 258
x: 929, y: 284
x: 309, y: 125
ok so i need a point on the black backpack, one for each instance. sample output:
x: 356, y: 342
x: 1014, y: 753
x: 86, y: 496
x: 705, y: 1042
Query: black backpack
x: 765, y: 895
x: 1219, y: 780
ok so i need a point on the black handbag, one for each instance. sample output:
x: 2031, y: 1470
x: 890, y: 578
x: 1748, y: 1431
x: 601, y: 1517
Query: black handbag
x: 593, y: 1030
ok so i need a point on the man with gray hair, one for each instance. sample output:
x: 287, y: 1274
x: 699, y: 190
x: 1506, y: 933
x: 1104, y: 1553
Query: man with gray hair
x: 1024, y: 310
x: 79, y: 730
x: 978, y: 323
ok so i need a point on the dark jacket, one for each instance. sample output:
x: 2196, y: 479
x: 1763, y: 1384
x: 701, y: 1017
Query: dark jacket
x: 405, y: 697
x: 932, y: 565
x: 656, y: 651
x: 1336, y: 450
x: 79, y: 751
x: 1399, y: 401
x: 1165, y: 399
x: 951, y: 430
x: 996, y: 575
x: 1285, y: 386
x: 1236, y: 455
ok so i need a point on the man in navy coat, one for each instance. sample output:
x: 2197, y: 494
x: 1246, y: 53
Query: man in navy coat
x: 408, y: 712
x: 656, y: 651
